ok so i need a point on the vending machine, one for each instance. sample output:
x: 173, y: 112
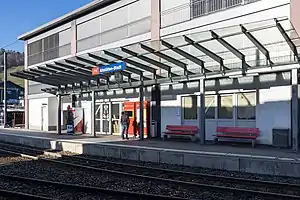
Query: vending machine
x: 133, y: 111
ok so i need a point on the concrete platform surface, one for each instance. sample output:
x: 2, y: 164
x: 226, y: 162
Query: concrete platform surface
x: 244, y: 158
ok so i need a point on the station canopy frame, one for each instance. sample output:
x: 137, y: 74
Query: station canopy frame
x: 257, y: 47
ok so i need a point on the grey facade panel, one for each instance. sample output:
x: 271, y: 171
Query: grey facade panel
x: 65, y: 50
x: 139, y: 27
x: 88, y: 43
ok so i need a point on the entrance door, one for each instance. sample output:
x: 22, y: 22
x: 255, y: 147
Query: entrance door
x: 115, y: 118
x: 105, y: 113
x: 97, y: 118
x: 102, y: 118
x: 44, y: 118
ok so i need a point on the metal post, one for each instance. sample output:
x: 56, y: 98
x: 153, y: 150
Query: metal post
x: 141, y: 112
x: 156, y: 108
x: 202, y: 111
x: 59, y: 114
x: 93, y: 132
x: 295, y: 111
x: 5, y: 89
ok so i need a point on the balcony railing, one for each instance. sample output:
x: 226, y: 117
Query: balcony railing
x: 198, y: 8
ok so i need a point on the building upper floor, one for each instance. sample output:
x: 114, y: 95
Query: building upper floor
x: 104, y: 24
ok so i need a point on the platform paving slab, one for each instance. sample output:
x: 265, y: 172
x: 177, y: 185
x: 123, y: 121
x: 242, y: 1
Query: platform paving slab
x: 258, y: 160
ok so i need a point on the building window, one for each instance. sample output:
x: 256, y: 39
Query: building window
x: 189, y: 106
x: 51, y: 47
x: 246, y: 106
x: 203, y: 7
x: 225, y: 110
x: 210, y: 107
x: 35, y: 50
x: 44, y: 49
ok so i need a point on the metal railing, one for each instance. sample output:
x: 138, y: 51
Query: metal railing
x: 198, y: 8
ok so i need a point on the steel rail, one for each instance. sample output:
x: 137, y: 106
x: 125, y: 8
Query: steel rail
x: 21, y: 196
x: 194, y: 174
x: 85, y: 188
x: 111, y: 192
x: 206, y: 186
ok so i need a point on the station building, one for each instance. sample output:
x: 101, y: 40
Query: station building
x: 207, y: 63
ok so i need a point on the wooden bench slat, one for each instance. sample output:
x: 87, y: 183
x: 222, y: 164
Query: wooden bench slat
x: 180, y: 130
x: 180, y: 133
x: 238, y: 133
x: 235, y: 136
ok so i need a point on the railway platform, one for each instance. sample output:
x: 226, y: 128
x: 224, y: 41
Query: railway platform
x: 243, y: 158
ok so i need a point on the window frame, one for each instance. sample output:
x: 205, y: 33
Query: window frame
x: 253, y: 107
x: 231, y: 95
x: 194, y: 100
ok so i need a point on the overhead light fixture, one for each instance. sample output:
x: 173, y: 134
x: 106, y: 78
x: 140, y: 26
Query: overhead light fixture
x: 236, y: 76
x: 246, y: 75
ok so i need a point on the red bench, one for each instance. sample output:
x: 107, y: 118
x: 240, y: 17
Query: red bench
x: 237, y: 133
x: 176, y: 130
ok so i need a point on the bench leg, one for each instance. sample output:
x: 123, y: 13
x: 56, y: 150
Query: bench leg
x: 165, y: 137
x: 216, y: 140
x: 193, y: 138
x: 253, y: 143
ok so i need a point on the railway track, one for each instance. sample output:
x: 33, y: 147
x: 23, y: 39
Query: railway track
x: 12, y: 195
x: 69, y: 191
x: 236, y: 186
x: 61, y: 190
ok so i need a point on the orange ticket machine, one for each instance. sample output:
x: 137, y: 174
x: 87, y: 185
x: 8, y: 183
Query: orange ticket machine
x: 133, y: 111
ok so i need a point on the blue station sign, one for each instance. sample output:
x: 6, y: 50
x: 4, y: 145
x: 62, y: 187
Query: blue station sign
x: 120, y: 66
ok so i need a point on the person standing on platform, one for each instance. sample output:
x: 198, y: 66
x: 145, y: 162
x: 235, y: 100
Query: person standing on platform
x: 124, y: 125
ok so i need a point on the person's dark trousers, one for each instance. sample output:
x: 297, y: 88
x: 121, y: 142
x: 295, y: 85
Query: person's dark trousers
x: 124, y: 128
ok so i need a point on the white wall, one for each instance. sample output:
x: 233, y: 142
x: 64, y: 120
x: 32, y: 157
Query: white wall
x: 169, y: 113
x: 52, y: 111
x: 35, y: 112
x: 273, y: 111
x: 87, y: 107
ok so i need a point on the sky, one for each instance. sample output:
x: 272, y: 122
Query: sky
x: 21, y: 16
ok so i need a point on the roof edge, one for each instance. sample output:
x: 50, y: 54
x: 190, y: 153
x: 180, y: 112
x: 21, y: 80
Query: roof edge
x: 84, y: 10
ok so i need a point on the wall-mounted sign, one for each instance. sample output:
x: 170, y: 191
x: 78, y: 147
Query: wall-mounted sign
x: 109, y: 68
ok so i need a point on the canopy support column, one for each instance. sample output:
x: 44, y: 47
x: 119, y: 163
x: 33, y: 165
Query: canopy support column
x: 93, y: 131
x: 202, y: 111
x: 59, y: 114
x: 295, y: 110
x: 141, y: 92
x: 156, y: 108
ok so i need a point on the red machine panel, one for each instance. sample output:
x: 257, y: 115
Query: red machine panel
x: 133, y: 111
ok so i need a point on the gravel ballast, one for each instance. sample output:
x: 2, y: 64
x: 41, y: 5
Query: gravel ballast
x: 193, y: 178
x: 52, y: 172
x: 48, y: 190
x: 280, y: 179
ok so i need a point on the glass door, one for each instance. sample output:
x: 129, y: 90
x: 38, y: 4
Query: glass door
x: 115, y: 117
x: 97, y: 118
x: 105, y: 118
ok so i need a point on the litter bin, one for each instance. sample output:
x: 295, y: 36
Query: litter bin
x: 153, y: 129
x: 281, y: 137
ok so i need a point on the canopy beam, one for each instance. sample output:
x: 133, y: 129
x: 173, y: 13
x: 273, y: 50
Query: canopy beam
x: 258, y: 45
x: 104, y: 60
x: 287, y: 39
x: 207, y: 52
x: 151, y: 61
x: 187, y: 56
x: 232, y: 49
x: 167, y: 58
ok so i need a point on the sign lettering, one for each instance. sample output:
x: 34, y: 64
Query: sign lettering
x: 109, y: 68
